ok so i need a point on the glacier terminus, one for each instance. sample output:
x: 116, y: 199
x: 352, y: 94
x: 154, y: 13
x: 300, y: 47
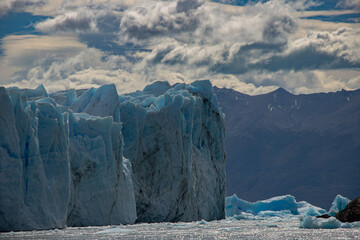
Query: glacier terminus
x: 93, y: 157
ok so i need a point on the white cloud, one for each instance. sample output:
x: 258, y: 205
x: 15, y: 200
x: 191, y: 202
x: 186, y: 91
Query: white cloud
x: 22, y: 52
x: 88, y: 68
x: 81, y: 20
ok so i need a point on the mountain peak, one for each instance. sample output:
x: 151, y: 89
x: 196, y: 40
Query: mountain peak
x: 281, y: 90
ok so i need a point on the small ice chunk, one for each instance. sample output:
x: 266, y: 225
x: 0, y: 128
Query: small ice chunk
x: 114, y: 230
x: 338, y: 204
x: 234, y: 205
x: 327, y: 223
x: 306, y: 209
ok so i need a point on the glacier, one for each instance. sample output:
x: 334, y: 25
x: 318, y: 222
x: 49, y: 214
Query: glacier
x: 34, y: 163
x: 92, y: 157
x: 174, y: 137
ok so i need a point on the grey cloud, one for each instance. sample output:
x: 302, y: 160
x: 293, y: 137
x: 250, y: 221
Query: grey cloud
x: 18, y: 5
x: 234, y: 58
x: 277, y: 28
x: 159, y: 19
x: 307, y: 58
x: 242, y: 58
x: 158, y: 54
x: 321, y: 50
x: 192, y: 21
x: 188, y: 5
x: 96, y: 25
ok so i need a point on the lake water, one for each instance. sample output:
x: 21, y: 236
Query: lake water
x: 271, y: 228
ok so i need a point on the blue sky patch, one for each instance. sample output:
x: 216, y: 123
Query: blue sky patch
x: 346, y: 18
x: 19, y: 24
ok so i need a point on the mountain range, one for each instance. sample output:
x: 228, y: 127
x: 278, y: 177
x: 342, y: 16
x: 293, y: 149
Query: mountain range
x: 304, y: 145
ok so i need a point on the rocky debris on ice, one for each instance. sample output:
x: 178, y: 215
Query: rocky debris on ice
x: 342, y: 214
x: 351, y: 213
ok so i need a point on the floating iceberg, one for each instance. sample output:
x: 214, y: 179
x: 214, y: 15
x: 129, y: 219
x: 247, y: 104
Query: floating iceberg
x: 287, y: 207
x: 282, y: 206
x: 338, y: 204
x: 92, y: 157
x: 329, y: 223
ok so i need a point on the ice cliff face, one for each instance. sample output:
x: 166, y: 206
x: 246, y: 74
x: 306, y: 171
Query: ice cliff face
x: 175, y: 141
x: 101, y: 177
x: 34, y: 163
x: 62, y: 158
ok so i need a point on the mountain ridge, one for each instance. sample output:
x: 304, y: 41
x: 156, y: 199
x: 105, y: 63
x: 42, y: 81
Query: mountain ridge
x: 278, y: 143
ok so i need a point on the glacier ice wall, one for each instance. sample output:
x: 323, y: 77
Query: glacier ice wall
x: 60, y: 168
x: 34, y: 163
x: 102, y: 191
x: 64, y: 156
x: 175, y: 141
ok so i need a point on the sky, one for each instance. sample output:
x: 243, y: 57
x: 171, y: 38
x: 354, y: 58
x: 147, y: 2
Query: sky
x: 254, y: 47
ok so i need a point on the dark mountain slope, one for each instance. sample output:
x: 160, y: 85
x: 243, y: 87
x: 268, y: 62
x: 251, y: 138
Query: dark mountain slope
x: 304, y: 145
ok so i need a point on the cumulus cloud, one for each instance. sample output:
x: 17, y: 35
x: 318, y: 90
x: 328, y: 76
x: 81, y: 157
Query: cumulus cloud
x: 253, y: 49
x: 270, y: 51
x: 161, y: 18
x: 202, y: 23
x: 23, y: 52
x: 88, y: 68
x: 319, y: 50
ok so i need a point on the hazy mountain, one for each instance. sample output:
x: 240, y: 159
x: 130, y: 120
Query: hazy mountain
x: 305, y: 145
